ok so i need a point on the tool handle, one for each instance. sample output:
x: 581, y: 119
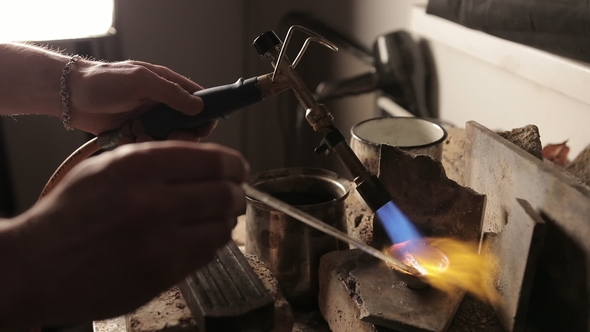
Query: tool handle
x: 219, y: 102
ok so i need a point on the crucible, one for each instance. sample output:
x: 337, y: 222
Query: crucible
x: 290, y: 248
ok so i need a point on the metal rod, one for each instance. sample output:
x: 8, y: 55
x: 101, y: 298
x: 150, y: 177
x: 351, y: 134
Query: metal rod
x: 323, y: 227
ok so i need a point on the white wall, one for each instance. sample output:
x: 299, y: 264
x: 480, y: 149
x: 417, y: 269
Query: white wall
x: 505, y: 85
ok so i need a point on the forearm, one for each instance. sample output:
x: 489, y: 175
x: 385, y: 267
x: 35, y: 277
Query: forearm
x: 30, y: 79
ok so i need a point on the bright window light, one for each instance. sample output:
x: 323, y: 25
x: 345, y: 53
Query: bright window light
x: 44, y: 20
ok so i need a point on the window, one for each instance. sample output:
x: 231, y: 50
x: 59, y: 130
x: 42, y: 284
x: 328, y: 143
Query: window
x: 44, y: 20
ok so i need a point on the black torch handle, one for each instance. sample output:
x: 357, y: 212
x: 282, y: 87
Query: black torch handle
x: 219, y: 102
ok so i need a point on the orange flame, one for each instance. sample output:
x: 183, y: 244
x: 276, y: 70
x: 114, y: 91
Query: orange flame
x: 448, y: 264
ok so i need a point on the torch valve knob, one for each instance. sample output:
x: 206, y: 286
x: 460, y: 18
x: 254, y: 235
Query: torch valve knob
x: 266, y: 42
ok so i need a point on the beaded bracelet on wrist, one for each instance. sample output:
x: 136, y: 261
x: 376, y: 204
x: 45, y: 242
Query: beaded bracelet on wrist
x: 65, y: 93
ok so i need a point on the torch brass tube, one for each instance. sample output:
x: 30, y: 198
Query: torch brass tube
x: 308, y: 101
x: 269, y: 88
x: 352, y: 162
x: 299, y: 88
x: 323, y: 227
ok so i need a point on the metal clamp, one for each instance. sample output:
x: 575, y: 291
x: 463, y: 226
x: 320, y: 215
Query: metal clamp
x: 314, y: 37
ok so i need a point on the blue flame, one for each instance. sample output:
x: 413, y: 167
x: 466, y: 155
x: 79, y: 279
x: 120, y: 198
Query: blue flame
x: 396, y: 224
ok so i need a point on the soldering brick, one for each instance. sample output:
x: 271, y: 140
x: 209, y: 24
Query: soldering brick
x: 338, y: 301
x: 360, y: 293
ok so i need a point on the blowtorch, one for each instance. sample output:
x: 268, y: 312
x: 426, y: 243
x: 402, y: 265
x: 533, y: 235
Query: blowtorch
x: 221, y: 101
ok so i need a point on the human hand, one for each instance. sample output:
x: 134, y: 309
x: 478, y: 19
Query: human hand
x: 121, y: 227
x: 106, y: 95
x: 101, y: 95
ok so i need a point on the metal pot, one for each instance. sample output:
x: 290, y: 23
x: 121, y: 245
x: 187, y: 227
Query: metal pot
x: 290, y: 248
x: 412, y: 135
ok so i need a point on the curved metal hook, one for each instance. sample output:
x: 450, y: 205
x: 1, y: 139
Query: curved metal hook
x: 306, y: 45
x: 314, y: 37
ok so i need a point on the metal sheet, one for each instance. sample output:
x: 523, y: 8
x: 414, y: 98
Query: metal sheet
x: 560, y: 297
x: 227, y: 295
x: 517, y: 249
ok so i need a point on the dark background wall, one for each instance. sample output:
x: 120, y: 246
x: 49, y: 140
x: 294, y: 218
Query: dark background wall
x: 210, y: 42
